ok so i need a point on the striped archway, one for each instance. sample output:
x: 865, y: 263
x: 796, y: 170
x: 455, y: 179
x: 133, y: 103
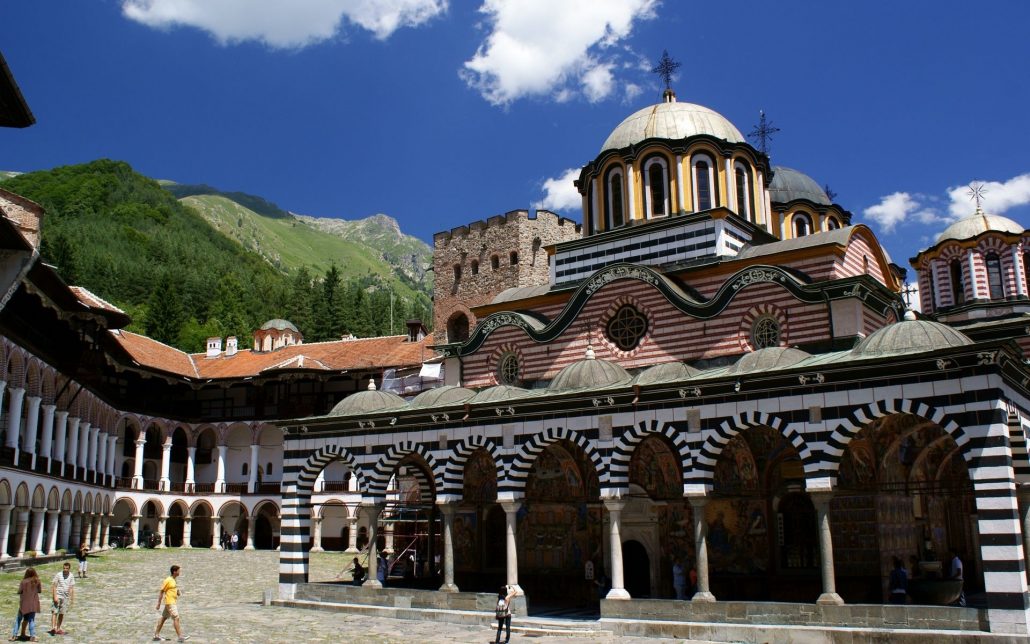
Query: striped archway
x: 454, y: 469
x: 515, y: 484
x: 622, y: 452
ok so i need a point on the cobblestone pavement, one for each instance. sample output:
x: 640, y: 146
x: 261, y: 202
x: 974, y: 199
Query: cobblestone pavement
x: 221, y: 602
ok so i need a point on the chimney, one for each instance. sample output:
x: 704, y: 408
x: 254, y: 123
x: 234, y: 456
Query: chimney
x: 230, y: 346
x: 214, y: 347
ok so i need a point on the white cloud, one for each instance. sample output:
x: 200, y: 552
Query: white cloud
x: 561, y: 49
x: 280, y: 24
x: 892, y: 210
x: 560, y: 193
x: 998, y: 197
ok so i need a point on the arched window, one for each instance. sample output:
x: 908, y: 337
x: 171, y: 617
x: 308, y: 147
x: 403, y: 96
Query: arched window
x: 994, y: 285
x: 244, y: 469
x: 704, y: 182
x: 268, y: 469
x: 614, y: 200
x: 458, y: 328
x: 745, y: 203
x: 958, y: 290
x: 832, y: 223
x: 802, y: 224
x: 474, y: 265
x: 495, y: 262
x: 656, y: 174
x: 457, y: 272
x: 513, y: 258
x: 932, y: 304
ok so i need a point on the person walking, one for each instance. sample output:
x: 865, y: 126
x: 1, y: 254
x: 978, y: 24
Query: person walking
x: 235, y: 540
x: 80, y: 554
x: 898, y: 583
x: 679, y: 578
x: 955, y: 571
x: 169, y: 595
x: 503, y: 612
x: 29, y: 590
x: 62, y: 591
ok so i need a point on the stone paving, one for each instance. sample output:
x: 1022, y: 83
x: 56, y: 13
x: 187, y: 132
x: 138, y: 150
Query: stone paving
x: 221, y: 602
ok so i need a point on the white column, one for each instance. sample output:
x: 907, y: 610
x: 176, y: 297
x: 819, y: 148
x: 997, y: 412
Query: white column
x: 631, y: 199
x: 166, y: 458
x: 91, y: 452
x: 680, y: 187
x: 101, y: 463
x: 252, y: 481
x: 614, y: 507
x: 31, y: 427
x: 1017, y: 266
x: 595, y: 222
x: 75, y: 538
x: 936, y: 285
x: 72, y: 450
x: 352, y: 536
x: 14, y: 416
x: 510, y: 508
x: 64, y: 525
x: 137, y: 473
x: 60, y: 432
x: 112, y: 461
x: 220, y: 476
x: 191, y: 459
x: 316, y: 533
x: 251, y: 524
x: 22, y: 529
x: 51, y: 531
x: 703, y: 594
x: 47, y: 439
x: 373, y: 511
x: 187, y: 532
x: 36, y: 530
x: 134, y: 529
x: 970, y: 257
x: 216, y: 533
x: 447, y: 510
x: 5, y: 529
x: 731, y: 190
x: 161, y: 522
x: 83, y: 447
x: 763, y: 216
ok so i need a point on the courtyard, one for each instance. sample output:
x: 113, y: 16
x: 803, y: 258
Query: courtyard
x: 222, y: 602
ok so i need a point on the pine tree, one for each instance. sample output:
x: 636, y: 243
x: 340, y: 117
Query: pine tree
x: 164, y: 317
x: 227, y: 309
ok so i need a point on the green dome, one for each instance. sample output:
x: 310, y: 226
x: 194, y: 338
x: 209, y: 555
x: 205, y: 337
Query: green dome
x: 499, y: 393
x: 665, y: 372
x: 279, y: 324
x: 441, y: 396
x: 589, y: 373
x: 768, y: 359
x: 910, y: 336
x: 368, y: 402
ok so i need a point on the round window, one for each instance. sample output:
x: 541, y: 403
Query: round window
x: 627, y: 327
x: 765, y: 333
x: 508, y: 370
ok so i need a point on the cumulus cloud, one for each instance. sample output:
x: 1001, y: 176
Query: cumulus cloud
x: 557, y: 49
x: 902, y: 207
x: 560, y: 193
x: 283, y: 25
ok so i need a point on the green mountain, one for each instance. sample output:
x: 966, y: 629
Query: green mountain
x: 129, y: 240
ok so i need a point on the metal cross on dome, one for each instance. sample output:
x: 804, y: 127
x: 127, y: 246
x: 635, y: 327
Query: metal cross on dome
x: 665, y: 68
x: 763, y: 133
x: 976, y: 193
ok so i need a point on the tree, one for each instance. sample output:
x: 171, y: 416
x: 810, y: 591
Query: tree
x: 164, y: 316
x: 227, y: 309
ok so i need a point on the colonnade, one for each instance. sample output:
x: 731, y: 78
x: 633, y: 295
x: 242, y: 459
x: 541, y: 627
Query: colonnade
x: 45, y: 531
x: 165, y: 482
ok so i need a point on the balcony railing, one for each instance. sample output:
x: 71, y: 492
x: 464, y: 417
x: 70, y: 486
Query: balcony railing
x: 235, y: 488
x: 334, y: 486
x: 269, y: 488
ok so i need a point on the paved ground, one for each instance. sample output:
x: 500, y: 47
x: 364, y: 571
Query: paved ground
x: 221, y: 602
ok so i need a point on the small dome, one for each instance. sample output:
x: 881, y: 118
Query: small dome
x: 671, y: 120
x: 665, y: 372
x: 499, y: 393
x: 980, y: 222
x: 767, y: 359
x: 788, y: 184
x: 589, y: 373
x: 441, y: 396
x: 279, y: 325
x: 910, y: 336
x: 367, y: 402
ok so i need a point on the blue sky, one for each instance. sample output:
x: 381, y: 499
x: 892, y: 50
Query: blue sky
x: 441, y: 113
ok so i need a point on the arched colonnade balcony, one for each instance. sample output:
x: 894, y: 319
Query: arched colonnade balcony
x: 40, y: 517
x: 144, y: 519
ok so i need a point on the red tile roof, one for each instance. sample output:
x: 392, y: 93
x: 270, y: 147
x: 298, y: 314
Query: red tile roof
x: 91, y: 300
x: 366, y: 353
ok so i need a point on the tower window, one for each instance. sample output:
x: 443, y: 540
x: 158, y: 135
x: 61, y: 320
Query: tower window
x: 994, y: 284
x: 513, y: 258
x: 495, y: 262
x: 457, y: 272
x: 703, y: 183
x: 475, y: 267
x: 615, y: 206
x: 958, y: 290
x: 832, y: 223
x: 745, y: 203
x: 802, y: 225
x: 656, y: 173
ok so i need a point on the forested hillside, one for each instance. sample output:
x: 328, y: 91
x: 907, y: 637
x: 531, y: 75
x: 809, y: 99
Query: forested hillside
x: 122, y: 236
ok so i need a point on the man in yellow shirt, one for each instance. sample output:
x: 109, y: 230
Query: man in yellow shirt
x: 169, y: 594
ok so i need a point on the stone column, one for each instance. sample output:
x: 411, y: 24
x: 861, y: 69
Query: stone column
x: 60, y: 432
x: 101, y: 469
x: 216, y: 532
x: 5, y: 529
x: 64, y: 526
x: 72, y: 449
x: 252, y: 480
x: 821, y: 500
x: 161, y: 522
x: 91, y: 453
x: 22, y: 529
x: 187, y: 532
x: 83, y: 450
x: 704, y: 593
x: 53, y: 517
x: 220, y: 476
x: 352, y: 536
x: 316, y: 534
x: 17, y: 395
x: 36, y: 530
x: 373, y: 511
x: 447, y: 510
x: 112, y: 463
x: 31, y: 426
x: 105, y: 524
x: 510, y: 508
x: 137, y: 466
x: 191, y: 465
x: 134, y: 529
x: 94, y: 537
x: 46, y: 440
x: 251, y: 524
x: 615, y: 507
x: 388, y: 539
x: 166, y: 459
